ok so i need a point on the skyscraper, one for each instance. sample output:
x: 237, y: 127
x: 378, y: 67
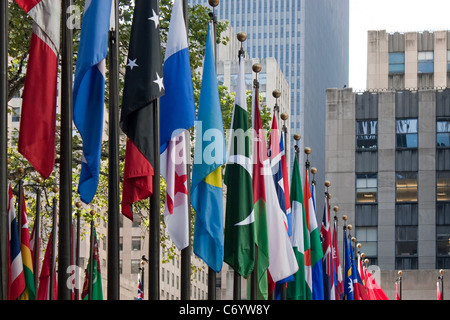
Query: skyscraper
x: 309, y: 39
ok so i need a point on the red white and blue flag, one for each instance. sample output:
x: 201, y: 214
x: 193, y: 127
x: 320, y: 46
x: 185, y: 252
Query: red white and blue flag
x: 338, y: 279
x: 16, y: 280
x: 328, y: 261
x: 38, y: 116
x: 177, y: 116
x: 140, y: 295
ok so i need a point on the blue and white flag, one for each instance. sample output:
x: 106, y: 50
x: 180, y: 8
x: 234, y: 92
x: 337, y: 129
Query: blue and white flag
x: 89, y: 91
x: 177, y: 114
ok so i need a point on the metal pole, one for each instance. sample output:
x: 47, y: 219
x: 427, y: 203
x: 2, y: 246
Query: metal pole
x: 3, y: 149
x: 54, y: 241
x: 185, y: 272
x: 254, y: 276
x: 37, y: 222
x: 77, y: 252
x: 65, y: 212
x: 211, y: 272
x: 19, y: 211
x: 113, y: 178
x: 155, y: 211
x: 91, y: 256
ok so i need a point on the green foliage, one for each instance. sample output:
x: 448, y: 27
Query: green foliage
x: 20, y: 30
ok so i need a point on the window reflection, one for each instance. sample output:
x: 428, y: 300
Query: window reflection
x: 366, y: 134
x: 443, y: 133
x: 406, y: 130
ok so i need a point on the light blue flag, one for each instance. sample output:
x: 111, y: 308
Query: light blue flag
x: 89, y: 92
x: 209, y: 155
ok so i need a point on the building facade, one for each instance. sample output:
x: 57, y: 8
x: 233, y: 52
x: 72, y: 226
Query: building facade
x: 388, y: 157
x: 310, y: 41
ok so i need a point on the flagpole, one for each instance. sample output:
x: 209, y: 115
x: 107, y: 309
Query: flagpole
x: 241, y: 36
x: 19, y: 209
x: 441, y: 279
x: 37, y: 222
x: 186, y: 253
x: 254, y: 279
x: 154, y: 247
x: 4, y: 148
x: 91, y: 256
x: 113, y: 177
x: 211, y: 272
x: 65, y: 212
x: 54, y: 238
x: 77, y: 255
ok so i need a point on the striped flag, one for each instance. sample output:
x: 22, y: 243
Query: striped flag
x: 206, y: 193
x: 328, y: 251
x: 299, y: 289
x: 278, y: 168
x: 29, y: 293
x: 97, y: 289
x: 314, y: 256
x: 16, y: 281
x: 38, y: 115
x: 140, y: 294
x: 338, y: 280
x: 239, y: 237
x: 177, y: 115
x: 89, y: 92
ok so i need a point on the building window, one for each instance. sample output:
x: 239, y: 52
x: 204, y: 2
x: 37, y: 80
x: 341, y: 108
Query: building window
x: 406, y: 187
x: 425, y: 61
x: 136, y: 243
x: 136, y: 221
x: 15, y: 115
x: 366, y: 134
x: 366, y: 188
x: 406, y: 130
x: 406, y: 236
x: 443, y: 186
x: 396, y: 62
x: 368, y: 237
x: 448, y: 61
x: 443, y: 133
x: 443, y: 235
x: 135, y: 265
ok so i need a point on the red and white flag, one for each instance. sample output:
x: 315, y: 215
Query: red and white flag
x: 374, y: 290
x: 173, y: 170
x: 38, y: 116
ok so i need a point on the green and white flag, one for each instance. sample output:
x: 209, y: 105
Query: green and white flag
x: 299, y: 289
x: 239, y: 238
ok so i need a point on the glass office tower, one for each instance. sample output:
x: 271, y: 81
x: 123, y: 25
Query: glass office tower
x: 310, y: 40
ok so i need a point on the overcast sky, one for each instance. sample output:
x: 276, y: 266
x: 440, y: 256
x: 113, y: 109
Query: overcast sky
x: 389, y: 15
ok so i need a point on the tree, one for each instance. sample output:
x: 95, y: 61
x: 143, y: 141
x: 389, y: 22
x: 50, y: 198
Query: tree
x: 20, y: 26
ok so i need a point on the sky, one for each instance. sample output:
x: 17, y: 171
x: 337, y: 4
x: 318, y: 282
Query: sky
x: 389, y: 15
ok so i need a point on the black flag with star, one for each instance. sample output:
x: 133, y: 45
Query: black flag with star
x: 143, y: 86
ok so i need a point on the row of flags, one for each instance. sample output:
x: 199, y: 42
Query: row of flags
x: 269, y: 232
x: 21, y: 273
